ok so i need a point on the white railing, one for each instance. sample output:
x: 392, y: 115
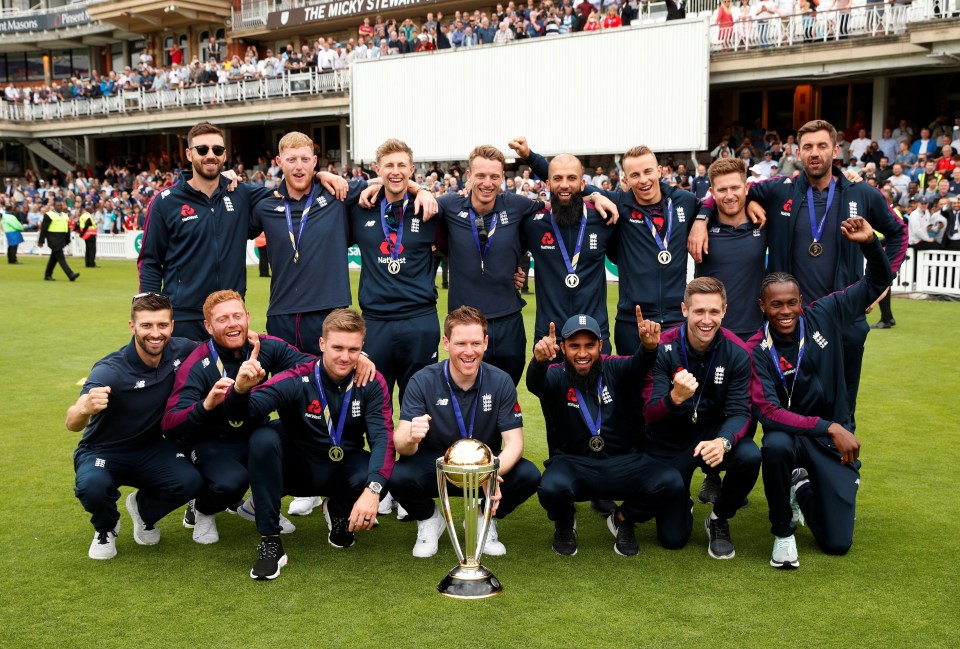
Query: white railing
x: 131, y: 101
x: 938, y: 271
x: 872, y: 20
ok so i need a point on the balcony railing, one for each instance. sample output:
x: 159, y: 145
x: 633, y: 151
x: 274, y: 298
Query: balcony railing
x: 133, y: 101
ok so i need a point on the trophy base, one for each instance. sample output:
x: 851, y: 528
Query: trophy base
x: 470, y: 583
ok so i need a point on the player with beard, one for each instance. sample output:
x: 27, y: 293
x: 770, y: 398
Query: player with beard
x: 804, y: 234
x: 195, y: 235
x: 119, y: 411
x: 811, y: 460
x: 569, y: 243
x: 586, y: 400
x: 651, y: 240
x: 195, y: 418
x: 698, y: 415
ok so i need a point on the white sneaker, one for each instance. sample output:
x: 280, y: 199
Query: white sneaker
x: 104, y: 544
x: 303, y: 505
x: 205, y: 528
x: 493, y: 547
x: 386, y: 505
x: 141, y: 534
x: 428, y: 535
x: 402, y: 513
x: 785, y: 553
x: 248, y: 512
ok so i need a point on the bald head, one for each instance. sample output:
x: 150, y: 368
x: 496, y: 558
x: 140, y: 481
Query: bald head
x: 565, y: 161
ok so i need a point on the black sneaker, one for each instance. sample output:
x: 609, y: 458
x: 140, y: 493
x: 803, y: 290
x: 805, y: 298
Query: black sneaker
x: 710, y: 490
x: 340, y: 535
x: 719, y: 545
x: 190, y: 515
x: 626, y: 543
x: 564, y: 540
x: 603, y: 507
x: 272, y: 558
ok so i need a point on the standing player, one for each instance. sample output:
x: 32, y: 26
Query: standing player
x: 569, y: 244
x: 803, y: 231
x: 483, y: 238
x: 588, y: 411
x: 737, y: 248
x: 195, y: 418
x: 810, y: 455
x: 398, y: 294
x: 698, y: 415
x: 119, y: 411
x: 444, y: 402
x: 651, y: 245
x: 325, y: 416
x: 195, y: 235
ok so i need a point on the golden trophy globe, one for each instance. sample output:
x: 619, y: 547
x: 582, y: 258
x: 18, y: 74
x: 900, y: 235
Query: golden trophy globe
x: 468, y: 465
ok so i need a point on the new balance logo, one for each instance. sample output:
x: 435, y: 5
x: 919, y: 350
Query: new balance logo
x: 305, y: 379
x: 180, y: 455
x: 140, y: 384
x: 164, y: 193
x: 176, y: 364
x: 463, y: 215
x: 668, y: 347
x: 100, y: 463
x: 443, y: 402
x: 369, y: 224
x: 278, y: 208
x: 819, y: 339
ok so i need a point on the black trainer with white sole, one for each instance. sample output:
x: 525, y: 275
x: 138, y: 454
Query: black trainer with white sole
x: 272, y: 558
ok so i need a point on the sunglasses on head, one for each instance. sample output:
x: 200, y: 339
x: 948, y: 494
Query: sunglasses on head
x: 203, y: 148
x: 143, y: 295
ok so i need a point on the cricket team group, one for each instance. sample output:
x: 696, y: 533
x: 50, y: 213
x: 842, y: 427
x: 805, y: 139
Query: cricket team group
x: 771, y: 331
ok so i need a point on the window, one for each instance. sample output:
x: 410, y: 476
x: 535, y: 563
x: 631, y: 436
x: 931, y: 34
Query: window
x: 34, y: 67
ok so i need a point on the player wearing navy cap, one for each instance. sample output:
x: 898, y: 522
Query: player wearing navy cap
x: 586, y: 407
x: 119, y: 411
x: 444, y: 402
x: 698, y: 415
x: 811, y: 460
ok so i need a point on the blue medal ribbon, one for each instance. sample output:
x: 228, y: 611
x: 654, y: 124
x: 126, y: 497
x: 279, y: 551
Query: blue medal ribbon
x: 336, y: 434
x: 686, y: 366
x: 395, y: 253
x: 592, y: 425
x: 817, y: 228
x: 664, y: 243
x: 476, y: 236
x: 217, y: 361
x: 775, y: 356
x: 570, y: 263
x: 464, y: 432
x: 295, y: 241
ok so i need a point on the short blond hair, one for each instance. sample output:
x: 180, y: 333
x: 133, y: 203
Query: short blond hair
x: 346, y: 320
x: 394, y: 145
x: 295, y: 140
x: 487, y: 152
x: 638, y: 151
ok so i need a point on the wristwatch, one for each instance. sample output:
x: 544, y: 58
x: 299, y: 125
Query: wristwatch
x: 727, y: 446
x: 700, y: 217
x: 376, y: 487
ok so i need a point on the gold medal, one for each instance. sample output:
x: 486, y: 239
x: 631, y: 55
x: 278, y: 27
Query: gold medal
x: 596, y: 443
x: 815, y: 249
x: 336, y: 453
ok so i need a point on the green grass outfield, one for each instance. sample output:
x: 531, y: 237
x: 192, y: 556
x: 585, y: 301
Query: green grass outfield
x: 898, y: 587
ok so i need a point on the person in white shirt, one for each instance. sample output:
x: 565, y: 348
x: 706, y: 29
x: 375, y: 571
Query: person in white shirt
x: 925, y: 227
x: 859, y: 146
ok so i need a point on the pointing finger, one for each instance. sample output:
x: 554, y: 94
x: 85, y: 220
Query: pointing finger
x: 256, y: 350
x: 553, y: 330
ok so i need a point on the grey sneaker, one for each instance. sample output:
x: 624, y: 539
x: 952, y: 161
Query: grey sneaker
x: 719, y: 545
x: 142, y: 534
x: 785, y: 553
x: 104, y: 544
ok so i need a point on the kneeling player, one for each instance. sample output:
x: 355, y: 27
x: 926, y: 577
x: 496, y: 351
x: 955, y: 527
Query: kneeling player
x: 810, y: 457
x: 444, y: 402
x: 320, y: 447
x: 698, y: 415
x: 119, y: 410
x: 587, y: 425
